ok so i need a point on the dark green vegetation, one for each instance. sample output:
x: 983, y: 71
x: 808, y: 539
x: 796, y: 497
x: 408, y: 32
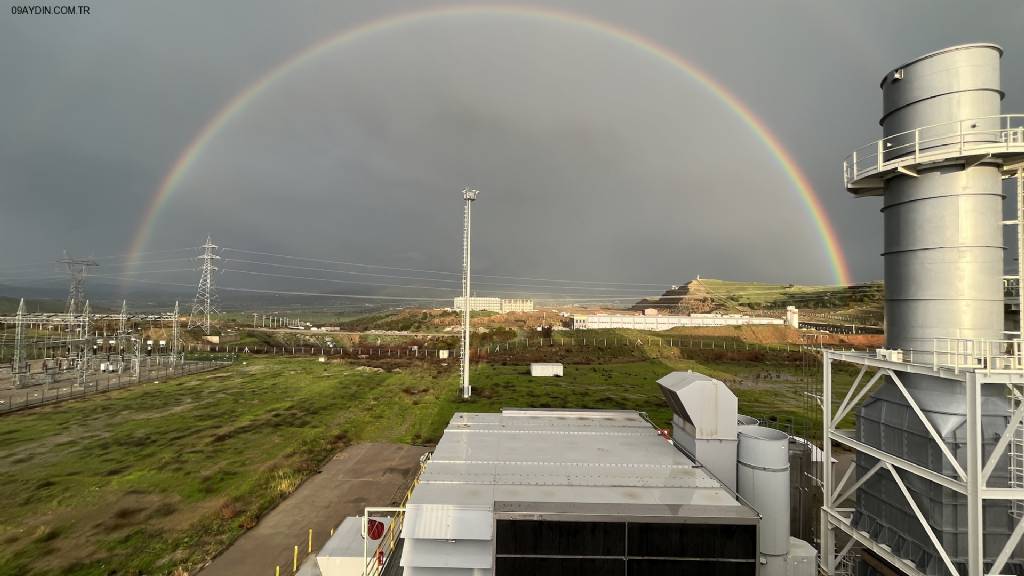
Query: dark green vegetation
x: 403, y: 320
x: 161, y: 477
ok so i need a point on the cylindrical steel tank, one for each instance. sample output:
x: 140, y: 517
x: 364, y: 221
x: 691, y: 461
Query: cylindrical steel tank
x: 744, y: 420
x: 953, y: 84
x: 943, y: 254
x: 762, y: 479
x: 943, y: 229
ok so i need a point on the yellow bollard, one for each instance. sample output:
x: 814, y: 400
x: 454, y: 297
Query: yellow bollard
x: 332, y: 531
x: 295, y: 560
x: 277, y: 571
x: 309, y: 550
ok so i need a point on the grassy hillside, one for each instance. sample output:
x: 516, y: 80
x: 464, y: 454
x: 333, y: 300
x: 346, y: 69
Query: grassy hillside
x: 145, y: 480
x: 861, y: 304
x: 756, y: 295
x: 163, y: 476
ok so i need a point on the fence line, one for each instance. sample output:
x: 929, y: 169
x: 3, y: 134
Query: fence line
x: 497, y: 347
x: 35, y: 398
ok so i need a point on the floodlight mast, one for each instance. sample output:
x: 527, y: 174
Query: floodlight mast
x: 468, y: 196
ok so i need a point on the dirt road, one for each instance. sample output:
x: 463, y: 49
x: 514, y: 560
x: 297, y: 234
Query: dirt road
x: 359, y: 476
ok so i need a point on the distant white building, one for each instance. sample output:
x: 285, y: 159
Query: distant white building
x: 792, y: 317
x: 500, y: 305
x: 659, y: 322
x: 516, y: 305
x: 479, y: 303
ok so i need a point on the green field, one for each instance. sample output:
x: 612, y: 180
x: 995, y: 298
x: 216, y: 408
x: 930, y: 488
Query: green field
x: 165, y: 475
x: 755, y: 295
x: 161, y: 477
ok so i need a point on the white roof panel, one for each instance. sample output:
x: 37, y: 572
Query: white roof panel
x: 559, y: 456
x: 447, y: 553
x: 448, y: 522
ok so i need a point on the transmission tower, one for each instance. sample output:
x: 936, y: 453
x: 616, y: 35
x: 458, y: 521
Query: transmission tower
x: 204, y: 304
x: 77, y: 269
x: 468, y: 196
x: 19, y: 343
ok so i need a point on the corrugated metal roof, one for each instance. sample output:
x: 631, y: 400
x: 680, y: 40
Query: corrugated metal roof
x: 577, y: 465
x: 594, y: 457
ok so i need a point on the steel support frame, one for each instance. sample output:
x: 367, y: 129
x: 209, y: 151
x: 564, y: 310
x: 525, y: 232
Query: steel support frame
x: 971, y: 480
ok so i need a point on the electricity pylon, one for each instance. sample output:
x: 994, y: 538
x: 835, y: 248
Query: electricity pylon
x: 205, y: 302
x: 77, y: 268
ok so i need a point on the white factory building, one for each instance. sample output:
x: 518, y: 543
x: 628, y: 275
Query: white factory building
x: 501, y: 305
x: 651, y: 320
x: 563, y: 492
x: 544, y: 492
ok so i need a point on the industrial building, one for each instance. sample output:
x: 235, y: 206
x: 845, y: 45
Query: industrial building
x: 501, y: 305
x: 656, y: 321
x: 938, y: 482
x: 604, y: 492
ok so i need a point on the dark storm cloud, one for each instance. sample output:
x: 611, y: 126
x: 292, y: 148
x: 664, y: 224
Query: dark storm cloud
x: 596, y: 161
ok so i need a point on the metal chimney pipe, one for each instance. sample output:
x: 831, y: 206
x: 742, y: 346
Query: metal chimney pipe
x: 942, y: 209
x: 762, y: 478
x: 943, y: 226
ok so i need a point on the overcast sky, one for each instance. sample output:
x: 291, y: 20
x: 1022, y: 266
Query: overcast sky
x: 595, y: 159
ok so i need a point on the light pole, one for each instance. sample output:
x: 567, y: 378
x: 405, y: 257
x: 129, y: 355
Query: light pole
x: 468, y: 196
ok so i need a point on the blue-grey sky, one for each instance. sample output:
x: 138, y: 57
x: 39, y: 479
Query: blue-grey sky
x: 595, y: 160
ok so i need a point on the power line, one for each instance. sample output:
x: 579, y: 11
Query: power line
x: 418, y: 287
x: 317, y: 269
x: 445, y: 272
x: 337, y: 281
x: 116, y: 265
x: 277, y: 292
x: 37, y: 266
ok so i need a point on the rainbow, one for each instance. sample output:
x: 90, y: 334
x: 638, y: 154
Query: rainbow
x: 232, y: 109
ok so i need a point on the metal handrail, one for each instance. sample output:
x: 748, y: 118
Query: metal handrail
x: 989, y: 133
x: 374, y: 564
x: 978, y: 354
